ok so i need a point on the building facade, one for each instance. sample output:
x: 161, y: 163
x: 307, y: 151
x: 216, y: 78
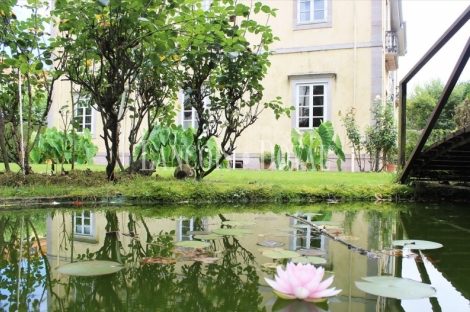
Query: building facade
x: 332, y: 56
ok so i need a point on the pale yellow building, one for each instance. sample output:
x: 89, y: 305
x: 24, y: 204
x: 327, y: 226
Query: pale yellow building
x: 332, y: 56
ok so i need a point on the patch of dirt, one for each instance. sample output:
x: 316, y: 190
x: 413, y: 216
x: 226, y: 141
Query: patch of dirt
x: 85, y: 178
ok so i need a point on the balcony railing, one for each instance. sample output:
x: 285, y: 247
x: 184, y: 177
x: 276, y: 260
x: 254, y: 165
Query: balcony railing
x: 391, y: 42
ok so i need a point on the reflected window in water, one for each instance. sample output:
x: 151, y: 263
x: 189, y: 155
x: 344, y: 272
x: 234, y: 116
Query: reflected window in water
x: 83, y: 223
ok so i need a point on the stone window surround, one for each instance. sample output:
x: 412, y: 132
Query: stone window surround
x: 313, y: 24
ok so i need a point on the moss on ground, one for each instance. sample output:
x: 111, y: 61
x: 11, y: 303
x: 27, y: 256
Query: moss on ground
x: 226, y: 186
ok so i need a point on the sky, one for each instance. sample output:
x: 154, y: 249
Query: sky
x: 426, y: 21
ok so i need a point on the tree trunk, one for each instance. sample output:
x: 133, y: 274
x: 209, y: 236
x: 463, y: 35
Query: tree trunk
x: 2, y: 143
x: 112, y: 154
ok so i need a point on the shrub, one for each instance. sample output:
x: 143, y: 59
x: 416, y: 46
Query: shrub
x: 266, y: 157
x: 57, y: 146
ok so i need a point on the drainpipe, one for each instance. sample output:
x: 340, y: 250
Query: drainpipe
x: 354, y: 78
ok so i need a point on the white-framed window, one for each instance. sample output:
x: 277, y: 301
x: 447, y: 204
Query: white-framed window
x: 83, y: 116
x: 311, y: 11
x: 84, y: 223
x: 311, y: 108
x: 188, y: 116
x: 312, y: 14
x: 311, y: 97
x: 206, y: 4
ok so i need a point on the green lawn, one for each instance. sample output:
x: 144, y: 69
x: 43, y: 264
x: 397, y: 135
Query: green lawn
x: 223, y: 185
x: 237, y: 176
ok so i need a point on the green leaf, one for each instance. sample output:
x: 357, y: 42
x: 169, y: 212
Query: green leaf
x: 312, y: 260
x: 416, y: 244
x: 395, y: 287
x: 39, y: 66
x: 266, y: 9
x: 284, y: 254
x: 90, y: 268
x: 209, y: 237
x: 231, y: 232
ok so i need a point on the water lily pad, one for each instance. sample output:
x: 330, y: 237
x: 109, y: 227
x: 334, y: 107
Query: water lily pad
x: 285, y: 254
x: 90, y: 268
x: 312, y: 260
x: 311, y: 252
x: 198, y: 232
x: 231, y: 232
x: 270, y: 265
x: 395, y: 287
x: 416, y: 244
x: 211, y: 236
x: 266, y: 218
x: 263, y: 249
x: 238, y: 223
x: 192, y: 244
x: 270, y: 243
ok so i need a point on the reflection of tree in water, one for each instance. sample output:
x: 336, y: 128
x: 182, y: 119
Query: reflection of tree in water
x: 231, y: 284
x: 349, y: 217
x: 382, y: 224
x: 23, y: 267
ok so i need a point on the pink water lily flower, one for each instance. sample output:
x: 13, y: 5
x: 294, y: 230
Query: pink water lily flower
x: 302, y: 281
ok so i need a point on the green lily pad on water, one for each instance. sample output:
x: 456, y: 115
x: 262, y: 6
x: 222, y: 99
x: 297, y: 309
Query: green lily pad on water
x: 285, y: 229
x: 231, y: 232
x: 395, y: 287
x: 238, y: 223
x: 198, y: 232
x: 312, y: 260
x: 211, y: 236
x: 416, y: 244
x: 284, y: 254
x: 311, y: 252
x: 90, y: 268
x: 192, y: 244
x: 270, y: 244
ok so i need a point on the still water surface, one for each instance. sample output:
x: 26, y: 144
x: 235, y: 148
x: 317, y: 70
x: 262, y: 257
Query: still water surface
x: 159, y: 276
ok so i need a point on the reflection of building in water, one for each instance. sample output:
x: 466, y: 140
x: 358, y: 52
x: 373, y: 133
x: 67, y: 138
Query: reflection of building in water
x: 78, y: 234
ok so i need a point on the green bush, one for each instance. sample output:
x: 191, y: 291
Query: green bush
x: 172, y: 146
x: 57, y: 146
x: 266, y: 157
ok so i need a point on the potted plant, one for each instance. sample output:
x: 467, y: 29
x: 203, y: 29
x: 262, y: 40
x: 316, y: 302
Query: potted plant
x: 392, y: 159
x: 266, y: 159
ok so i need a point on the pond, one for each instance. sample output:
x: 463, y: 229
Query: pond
x: 153, y: 264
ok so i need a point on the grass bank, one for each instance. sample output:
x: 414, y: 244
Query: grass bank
x: 220, y: 186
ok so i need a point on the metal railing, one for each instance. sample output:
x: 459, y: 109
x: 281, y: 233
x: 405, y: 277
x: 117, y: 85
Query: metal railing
x: 391, y: 42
